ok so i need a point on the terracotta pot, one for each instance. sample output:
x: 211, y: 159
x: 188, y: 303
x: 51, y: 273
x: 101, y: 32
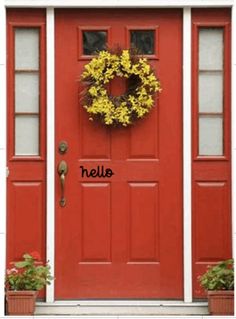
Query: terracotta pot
x: 21, y: 302
x: 221, y: 302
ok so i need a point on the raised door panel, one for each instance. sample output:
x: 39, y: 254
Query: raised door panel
x: 26, y: 219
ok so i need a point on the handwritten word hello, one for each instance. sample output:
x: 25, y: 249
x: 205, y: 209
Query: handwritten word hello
x: 100, y: 172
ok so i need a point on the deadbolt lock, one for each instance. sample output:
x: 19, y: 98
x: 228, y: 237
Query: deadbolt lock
x: 63, y: 146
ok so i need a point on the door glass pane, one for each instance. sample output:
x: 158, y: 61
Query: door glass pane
x: 26, y: 92
x: 211, y: 92
x: 211, y: 49
x: 94, y: 41
x: 143, y: 40
x: 26, y: 49
x: 26, y: 135
x: 210, y: 135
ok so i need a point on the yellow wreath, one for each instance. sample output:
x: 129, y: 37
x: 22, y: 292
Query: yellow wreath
x: 137, y: 100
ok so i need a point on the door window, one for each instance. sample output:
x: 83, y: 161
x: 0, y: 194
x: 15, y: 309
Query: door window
x: 143, y: 40
x: 94, y: 41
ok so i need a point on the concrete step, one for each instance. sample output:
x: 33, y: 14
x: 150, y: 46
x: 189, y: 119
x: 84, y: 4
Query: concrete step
x: 121, y: 308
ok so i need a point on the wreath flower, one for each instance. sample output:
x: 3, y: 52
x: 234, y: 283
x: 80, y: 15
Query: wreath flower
x: 138, y: 99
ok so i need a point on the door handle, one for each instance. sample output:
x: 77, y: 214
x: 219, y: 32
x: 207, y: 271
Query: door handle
x: 62, y: 170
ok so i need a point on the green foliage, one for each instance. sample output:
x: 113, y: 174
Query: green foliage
x: 219, y: 277
x: 28, y: 274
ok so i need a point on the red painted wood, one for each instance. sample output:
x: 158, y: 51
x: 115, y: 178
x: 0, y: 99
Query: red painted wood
x: 26, y: 195
x: 211, y: 176
x: 120, y: 237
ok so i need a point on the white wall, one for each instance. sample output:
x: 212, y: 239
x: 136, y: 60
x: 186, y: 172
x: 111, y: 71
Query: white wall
x: 2, y: 153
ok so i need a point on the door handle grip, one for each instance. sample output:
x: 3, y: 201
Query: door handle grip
x: 62, y: 171
x: 62, y: 179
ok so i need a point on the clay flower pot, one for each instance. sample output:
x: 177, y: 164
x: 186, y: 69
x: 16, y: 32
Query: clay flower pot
x: 21, y: 303
x: 221, y: 302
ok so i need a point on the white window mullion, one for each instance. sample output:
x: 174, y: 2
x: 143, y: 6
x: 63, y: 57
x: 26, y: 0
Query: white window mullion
x: 50, y: 149
x: 3, y: 155
x: 187, y: 145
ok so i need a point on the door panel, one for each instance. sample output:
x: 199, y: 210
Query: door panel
x: 119, y: 237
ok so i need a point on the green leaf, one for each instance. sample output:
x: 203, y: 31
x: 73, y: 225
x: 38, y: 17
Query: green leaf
x: 220, y: 276
x: 21, y: 264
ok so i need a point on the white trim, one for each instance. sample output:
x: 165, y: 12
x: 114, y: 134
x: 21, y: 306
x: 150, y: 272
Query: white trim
x: 187, y: 188
x: 122, y: 308
x: 124, y: 303
x: 3, y: 120
x: 50, y: 149
x: 119, y: 3
x: 233, y: 132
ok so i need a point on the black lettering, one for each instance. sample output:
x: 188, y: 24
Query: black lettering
x: 84, y: 171
x: 102, y: 173
x: 109, y: 172
x: 93, y: 173
x: 99, y: 172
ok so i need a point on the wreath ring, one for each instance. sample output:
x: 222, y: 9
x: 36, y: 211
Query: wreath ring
x: 135, y: 103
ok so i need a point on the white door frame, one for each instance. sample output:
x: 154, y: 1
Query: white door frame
x: 187, y: 155
x: 50, y: 239
x: 50, y: 5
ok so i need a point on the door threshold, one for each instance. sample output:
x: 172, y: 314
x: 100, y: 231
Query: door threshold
x: 121, y: 307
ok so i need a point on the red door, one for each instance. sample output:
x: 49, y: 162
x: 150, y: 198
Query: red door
x: 120, y: 237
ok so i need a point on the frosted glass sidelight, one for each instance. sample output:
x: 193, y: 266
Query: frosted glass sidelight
x: 26, y: 92
x: 27, y: 135
x: 26, y: 49
x: 211, y: 92
x: 211, y: 49
x: 210, y: 135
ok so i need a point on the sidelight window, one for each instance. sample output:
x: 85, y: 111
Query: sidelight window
x: 211, y: 91
x: 26, y: 91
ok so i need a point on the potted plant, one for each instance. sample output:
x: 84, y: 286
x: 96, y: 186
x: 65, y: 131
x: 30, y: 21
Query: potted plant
x: 23, y: 281
x: 218, y: 280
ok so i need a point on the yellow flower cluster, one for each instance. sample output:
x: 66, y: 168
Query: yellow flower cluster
x: 121, y: 110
